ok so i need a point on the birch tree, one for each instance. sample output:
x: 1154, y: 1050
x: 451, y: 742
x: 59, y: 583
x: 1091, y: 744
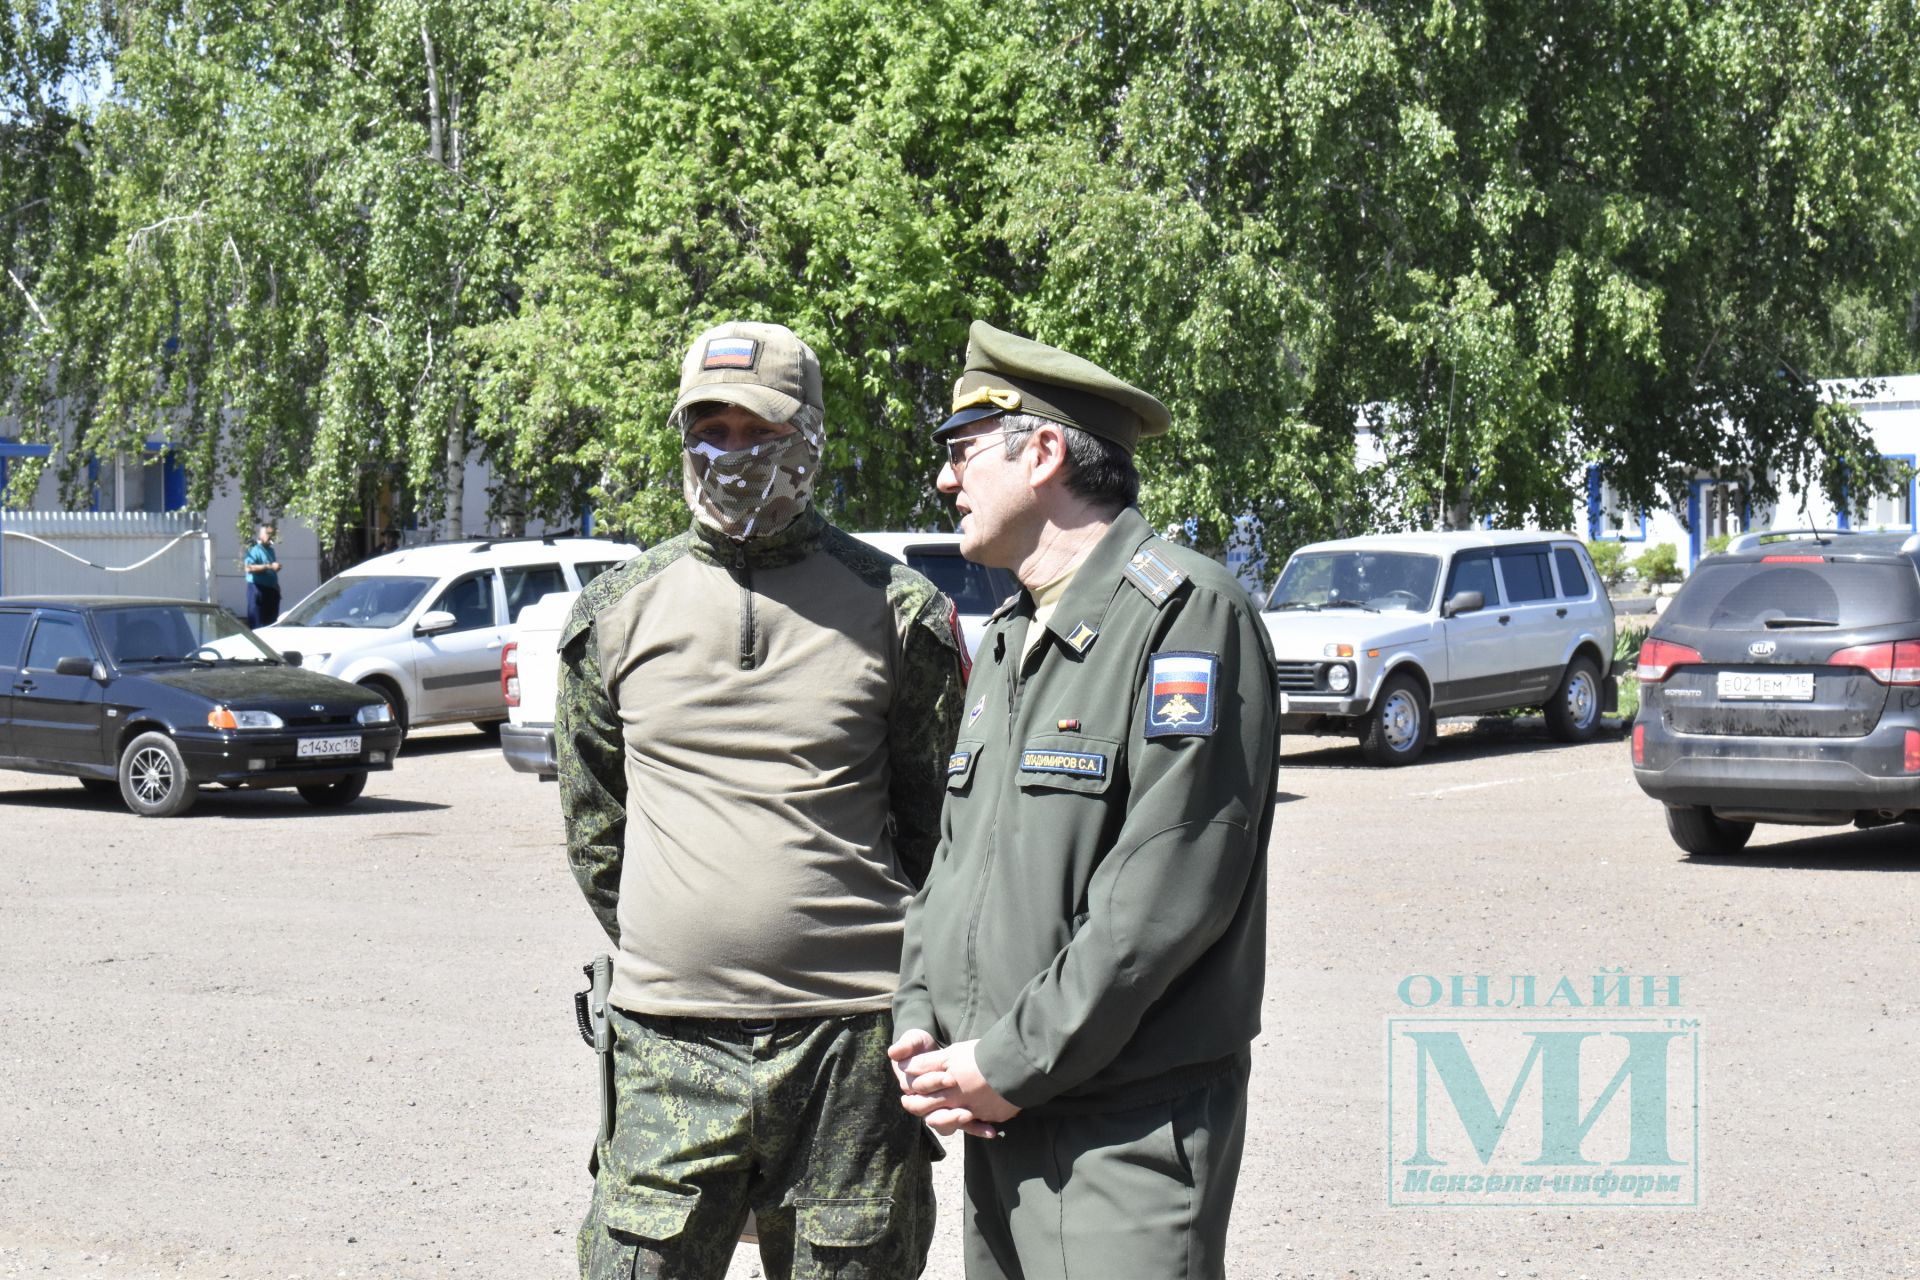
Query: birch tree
x: 300, y: 233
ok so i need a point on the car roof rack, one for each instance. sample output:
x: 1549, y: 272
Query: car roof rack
x: 483, y: 542
x: 1751, y: 541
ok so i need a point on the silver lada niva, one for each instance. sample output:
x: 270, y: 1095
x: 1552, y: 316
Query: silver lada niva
x: 1376, y: 636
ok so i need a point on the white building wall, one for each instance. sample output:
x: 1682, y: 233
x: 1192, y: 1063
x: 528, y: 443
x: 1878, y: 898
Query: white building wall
x: 131, y: 486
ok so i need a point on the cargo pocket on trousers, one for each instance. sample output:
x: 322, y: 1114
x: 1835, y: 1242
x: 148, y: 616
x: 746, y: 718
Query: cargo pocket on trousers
x: 842, y: 1224
x: 645, y: 1213
x: 628, y: 1217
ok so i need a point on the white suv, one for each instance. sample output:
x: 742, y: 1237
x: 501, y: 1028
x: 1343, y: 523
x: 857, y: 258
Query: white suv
x: 424, y: 627
x: 1376, y: 636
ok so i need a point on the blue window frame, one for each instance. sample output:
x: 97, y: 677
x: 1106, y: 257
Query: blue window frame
x: 1596, y: 513
x: 1696, y: 510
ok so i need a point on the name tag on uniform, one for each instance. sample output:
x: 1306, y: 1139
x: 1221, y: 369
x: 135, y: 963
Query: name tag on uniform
x: 1181, y: 699
x: 1081, y: 764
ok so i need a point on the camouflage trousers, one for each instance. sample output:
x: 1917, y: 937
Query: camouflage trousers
x: 798, y: 1120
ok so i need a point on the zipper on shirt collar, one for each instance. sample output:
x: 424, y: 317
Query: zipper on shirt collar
x: 743, y: 574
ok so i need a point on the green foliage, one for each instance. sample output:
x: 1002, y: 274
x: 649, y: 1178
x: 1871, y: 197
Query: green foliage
x: 1718, y: 543
x: 296, y: 228
x: 824, y: 164
x: 50, y: 57
x: 1511, y: 239
x: 1657, y: 564
x: 1630, y: 632
x: 1609, y: 561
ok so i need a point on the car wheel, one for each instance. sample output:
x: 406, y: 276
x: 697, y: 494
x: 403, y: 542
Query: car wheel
x: 333, y: 795
x: 1574, y: 712
x: 391, y: 696
x: 101, y: 786
x: 153, y: 777
x: 1702, y: 834
x: 1396, y: 729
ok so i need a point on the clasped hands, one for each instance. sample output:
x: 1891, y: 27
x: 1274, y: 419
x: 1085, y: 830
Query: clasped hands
x: 944, y: 1087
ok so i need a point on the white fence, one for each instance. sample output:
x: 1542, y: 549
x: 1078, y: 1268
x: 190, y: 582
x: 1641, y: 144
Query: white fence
x: 105, y: 553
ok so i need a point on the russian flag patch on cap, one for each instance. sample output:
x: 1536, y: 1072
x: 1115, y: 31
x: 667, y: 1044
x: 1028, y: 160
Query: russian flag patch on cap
x: 730, y: 353
x: 1181, y: 696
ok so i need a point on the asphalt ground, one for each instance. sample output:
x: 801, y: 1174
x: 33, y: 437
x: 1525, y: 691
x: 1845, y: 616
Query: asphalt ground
x: 264, y: 1041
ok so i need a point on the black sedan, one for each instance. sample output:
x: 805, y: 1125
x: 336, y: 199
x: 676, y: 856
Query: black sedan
x: 153, y: 698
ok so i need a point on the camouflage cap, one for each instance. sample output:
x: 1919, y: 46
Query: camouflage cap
x: 1006, y: 373
x: 763, y: 368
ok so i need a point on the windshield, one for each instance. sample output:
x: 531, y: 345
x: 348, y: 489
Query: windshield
x: 148, y: 634
x: 360, y: 600
x: 974, y: 588
x: 1380, y: 581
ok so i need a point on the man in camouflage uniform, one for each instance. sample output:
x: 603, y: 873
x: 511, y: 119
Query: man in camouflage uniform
x: 1082, y: 971
x: 753, y: 722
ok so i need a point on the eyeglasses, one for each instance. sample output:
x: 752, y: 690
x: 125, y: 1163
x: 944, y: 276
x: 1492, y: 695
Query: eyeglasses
x: 961, y: 450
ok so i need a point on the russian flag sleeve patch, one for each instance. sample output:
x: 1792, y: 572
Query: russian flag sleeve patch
x: 1180, y: 698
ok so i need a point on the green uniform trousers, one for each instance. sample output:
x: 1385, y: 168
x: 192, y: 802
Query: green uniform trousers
x: 797, y: 1119
x: 1141, y: 1194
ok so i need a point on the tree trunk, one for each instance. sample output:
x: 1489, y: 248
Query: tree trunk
x: 456, y: 487
x: 454, y: 525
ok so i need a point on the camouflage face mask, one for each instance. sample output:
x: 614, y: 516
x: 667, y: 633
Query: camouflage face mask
x: 751, y: 493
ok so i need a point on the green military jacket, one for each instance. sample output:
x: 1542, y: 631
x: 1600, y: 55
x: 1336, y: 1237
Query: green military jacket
x: 750, y: 741
x: 1096, y: 912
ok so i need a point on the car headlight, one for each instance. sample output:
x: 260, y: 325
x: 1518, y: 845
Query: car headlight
x: 1340, y: 677
x: 228, y: 718
x: 1337, y: 651
x: 378, y: 713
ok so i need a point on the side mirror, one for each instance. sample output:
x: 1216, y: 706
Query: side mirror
x: 74, y: 667
x: 291, y: 657
x: 434, y: 620
x: 1463, y: 602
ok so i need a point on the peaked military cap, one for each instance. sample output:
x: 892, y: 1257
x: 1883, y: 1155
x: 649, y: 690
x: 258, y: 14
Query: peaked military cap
x: 1006, y: 373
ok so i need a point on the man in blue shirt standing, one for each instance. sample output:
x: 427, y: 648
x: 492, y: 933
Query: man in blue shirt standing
x: 263, y: 579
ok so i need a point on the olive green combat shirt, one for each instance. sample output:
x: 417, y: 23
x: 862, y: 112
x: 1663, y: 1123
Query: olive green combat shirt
x: 1096, y: 913
x: 751, y: 740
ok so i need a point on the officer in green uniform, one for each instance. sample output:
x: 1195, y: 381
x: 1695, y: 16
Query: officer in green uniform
x: 1082, y: 970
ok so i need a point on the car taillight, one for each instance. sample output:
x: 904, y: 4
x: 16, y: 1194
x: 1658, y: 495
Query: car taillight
x: 1639, y: 744
x: 1793, y: 559
x: 1912, y: 762
x: 1896, y: 662
x: 510, y: 674
x: 1658, y: 658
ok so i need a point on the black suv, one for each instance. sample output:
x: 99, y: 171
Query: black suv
x: 1783, y: 685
